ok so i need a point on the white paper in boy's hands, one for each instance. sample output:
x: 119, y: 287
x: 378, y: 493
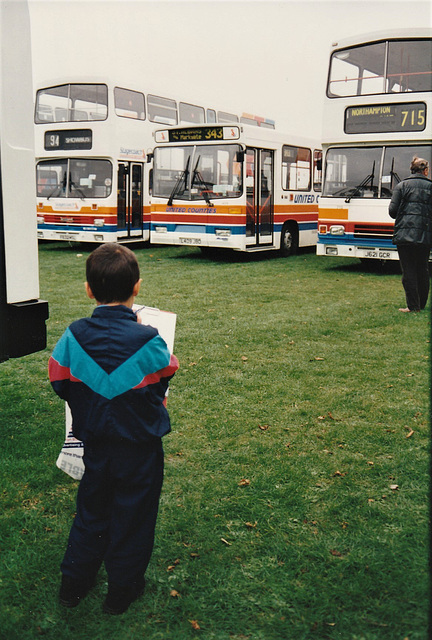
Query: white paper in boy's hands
x: 70, y: 459
x: 163, y: 321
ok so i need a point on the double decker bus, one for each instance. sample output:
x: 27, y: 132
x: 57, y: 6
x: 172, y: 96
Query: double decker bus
x: 377, y: 117
x: 234, y: 186
x: 92, y: 141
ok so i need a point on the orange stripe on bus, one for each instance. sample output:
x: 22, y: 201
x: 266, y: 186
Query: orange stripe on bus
x: 333, y: 214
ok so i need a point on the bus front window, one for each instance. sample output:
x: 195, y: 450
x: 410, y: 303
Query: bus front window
x: 72, y: 103
x: 395, y: 66
x: 397, y: 161
x: 74, y: 178
x: 352, y: 172
x: 409, y: 66
x: 357, y: 71
x: 197, y: 173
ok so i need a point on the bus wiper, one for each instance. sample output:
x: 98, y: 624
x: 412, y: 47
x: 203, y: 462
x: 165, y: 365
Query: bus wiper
x: 58, y: 187
x: 55, y: 190
x: 183, y: 176
x: 357, y: 189
x: 200, y: 181
x: 73, y: 185
x: 393, y: 174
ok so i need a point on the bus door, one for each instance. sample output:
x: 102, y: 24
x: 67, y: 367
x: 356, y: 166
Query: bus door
x: 259, y: 197
x: 130, y: 200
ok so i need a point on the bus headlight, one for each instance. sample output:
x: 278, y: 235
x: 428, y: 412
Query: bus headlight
x: 99, y: 222
x: 223, y: 233
x: 337, y: 230
x: 331, y: 251
x: 159, y: 229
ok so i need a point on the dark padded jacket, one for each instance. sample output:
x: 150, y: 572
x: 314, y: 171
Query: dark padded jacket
x: 411, y: 206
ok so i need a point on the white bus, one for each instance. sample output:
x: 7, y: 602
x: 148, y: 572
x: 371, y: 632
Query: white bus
x: 22, y: 314
x: 92, y: 157
x: 235, y: 187
x: 377, y: 116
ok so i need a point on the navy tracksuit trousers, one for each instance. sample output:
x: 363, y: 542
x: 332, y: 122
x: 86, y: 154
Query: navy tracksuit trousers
x: 117, y: 505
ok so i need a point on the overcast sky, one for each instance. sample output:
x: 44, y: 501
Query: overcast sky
x: 265, y: 57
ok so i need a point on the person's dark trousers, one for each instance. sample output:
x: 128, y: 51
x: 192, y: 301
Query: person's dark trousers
x: 117, y: 505
x: 414, y: 261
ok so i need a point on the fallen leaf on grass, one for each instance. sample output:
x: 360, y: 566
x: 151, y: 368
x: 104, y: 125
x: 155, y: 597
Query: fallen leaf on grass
x: 244, y: 358
x: 251, y: 525
x: 339, y: 474
x: 329, y: 416
x: 195, y: 624
x: 410, y: 433
x: 229, y: 544
x: 244, y: 482
x: 394, y: 487
x: 174, y: 593
x: 263, y: 427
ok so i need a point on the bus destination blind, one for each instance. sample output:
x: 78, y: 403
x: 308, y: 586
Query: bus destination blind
x: 65, y: 140
x: 386, y: 118
x: 198, y: 134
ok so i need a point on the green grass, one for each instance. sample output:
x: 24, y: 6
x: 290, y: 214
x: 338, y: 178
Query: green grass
x: 302, y: 398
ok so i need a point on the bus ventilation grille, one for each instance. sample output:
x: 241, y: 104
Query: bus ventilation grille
x: 370, y: 230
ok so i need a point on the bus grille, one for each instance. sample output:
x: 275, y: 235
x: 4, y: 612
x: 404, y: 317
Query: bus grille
x: 373, y: 230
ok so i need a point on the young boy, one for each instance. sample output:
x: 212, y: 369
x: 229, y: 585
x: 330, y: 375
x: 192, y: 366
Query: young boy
x: 114, y: 373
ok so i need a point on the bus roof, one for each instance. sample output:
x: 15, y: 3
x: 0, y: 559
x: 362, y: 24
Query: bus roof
x: 375, y: 36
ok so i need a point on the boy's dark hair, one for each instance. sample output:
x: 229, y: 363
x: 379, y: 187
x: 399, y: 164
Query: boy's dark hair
x: 112, y: 271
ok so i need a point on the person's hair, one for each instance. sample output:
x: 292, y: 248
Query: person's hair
x: 112, y: 271
x: 418, y: 165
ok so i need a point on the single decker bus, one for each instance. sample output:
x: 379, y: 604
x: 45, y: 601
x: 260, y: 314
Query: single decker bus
x: 234, y: 186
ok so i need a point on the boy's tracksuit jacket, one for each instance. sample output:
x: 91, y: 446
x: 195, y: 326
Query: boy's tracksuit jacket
x: 114, y: 373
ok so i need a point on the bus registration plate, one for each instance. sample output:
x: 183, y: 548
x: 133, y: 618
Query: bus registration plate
x: 375, y: 253
x: 190, y: 240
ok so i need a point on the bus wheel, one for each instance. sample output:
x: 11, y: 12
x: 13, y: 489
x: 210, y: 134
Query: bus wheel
x: 289, y: 239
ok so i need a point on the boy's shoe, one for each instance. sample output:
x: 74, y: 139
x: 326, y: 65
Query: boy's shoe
x: 119, y: 598
x: 72, y: 591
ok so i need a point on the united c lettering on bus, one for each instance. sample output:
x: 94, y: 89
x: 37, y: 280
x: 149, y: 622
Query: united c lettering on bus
x: 300, y: 199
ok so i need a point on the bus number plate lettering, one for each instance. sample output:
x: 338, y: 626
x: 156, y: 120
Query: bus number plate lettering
x: 377, y: 254
x: 190, y: 240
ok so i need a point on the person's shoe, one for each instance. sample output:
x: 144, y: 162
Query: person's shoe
x: 119, y: 598
x: 406, y: 310
x: 72, y: 591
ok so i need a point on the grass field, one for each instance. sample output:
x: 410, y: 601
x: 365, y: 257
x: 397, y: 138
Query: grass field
x: 295, y: 502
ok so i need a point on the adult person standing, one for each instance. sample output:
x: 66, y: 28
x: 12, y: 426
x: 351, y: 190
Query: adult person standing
x: 411, y: 206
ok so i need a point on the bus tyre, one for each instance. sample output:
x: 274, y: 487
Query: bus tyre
x: 289, y: 239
